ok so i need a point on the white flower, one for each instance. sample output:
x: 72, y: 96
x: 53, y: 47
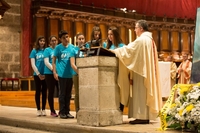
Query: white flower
x: 186, y: 107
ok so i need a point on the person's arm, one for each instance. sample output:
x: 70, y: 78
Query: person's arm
x: 47, y: 63
x: 36, y: 70
x: 188, y: 70
x: 34, y: 66
x: 54, y: 68
x: 72, y: 62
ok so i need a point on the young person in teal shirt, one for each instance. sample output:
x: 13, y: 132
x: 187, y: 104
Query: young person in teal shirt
x: 48, y: 71
x: 113, y: 41
x: 96, y: 38
x: 37, y: 63
x: 63, y: 72
x: 80, y: 41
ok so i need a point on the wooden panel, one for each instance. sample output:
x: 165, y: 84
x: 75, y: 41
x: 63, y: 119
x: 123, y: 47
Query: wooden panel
x: 130, y: 36
x: 175, y: 44
x: 53, y: 27
x: 155, y: 34
x: 40, y: 24
x: 79, y: 27
x: 89, y: 27
x: 104, y: 30
x: 68, y: 26
x: 164, y: 43
x: 185, y: 42
x: 123, y: 34
x: 133, y: 34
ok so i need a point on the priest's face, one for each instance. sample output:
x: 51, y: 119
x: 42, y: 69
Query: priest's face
x: 138, y: 29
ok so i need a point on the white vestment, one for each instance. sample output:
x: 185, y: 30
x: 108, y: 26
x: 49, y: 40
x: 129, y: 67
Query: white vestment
x: 140, y: 57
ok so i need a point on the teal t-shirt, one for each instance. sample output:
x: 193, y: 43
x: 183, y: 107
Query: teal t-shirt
x: 78, y: 54
x: 63, y: 65
x: 48, y: 53
x: 113, y: 46
x: 38, y: 55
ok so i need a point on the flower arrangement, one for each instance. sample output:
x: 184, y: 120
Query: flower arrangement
x: 185, y: 110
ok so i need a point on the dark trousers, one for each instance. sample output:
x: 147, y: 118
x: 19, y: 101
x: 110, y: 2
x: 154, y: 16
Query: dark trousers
x: 40, y: 86
x: 65, y: 85
x: 76, y: 87
x: 51, y: 84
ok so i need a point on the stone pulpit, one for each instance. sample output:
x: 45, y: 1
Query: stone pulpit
x: 98, y: 91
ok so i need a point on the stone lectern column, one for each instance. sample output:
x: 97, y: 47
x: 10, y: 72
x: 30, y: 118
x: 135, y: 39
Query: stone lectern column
x: 98, y: 91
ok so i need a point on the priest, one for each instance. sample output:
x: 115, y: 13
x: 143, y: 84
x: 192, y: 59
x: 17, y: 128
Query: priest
x: 140, y: 57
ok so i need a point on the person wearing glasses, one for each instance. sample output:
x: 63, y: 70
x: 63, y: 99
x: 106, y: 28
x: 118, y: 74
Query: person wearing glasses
x: 140, y: 57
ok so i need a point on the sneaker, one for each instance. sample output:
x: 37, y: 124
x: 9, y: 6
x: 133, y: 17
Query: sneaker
x: 43, y: 113
x: 39, y: 113
x: 54, y: 114
x: 70, y: 116
x: 63, y: 116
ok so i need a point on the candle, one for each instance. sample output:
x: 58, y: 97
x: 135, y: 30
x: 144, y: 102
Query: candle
x: 130, y: 35
x: 70, y: 40
x: 75, y: 41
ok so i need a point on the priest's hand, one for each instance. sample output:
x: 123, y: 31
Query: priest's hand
x: 111, y: 50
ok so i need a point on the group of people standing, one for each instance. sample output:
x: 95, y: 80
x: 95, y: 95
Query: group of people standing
x: 41, y: 62
x: 57, y: 64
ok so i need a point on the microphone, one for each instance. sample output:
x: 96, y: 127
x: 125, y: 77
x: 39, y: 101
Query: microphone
x: 83, y: 46
x: 93, y: 43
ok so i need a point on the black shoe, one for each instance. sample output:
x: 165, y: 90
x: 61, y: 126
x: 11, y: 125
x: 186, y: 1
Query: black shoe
x: 138, y: 121
x: 121, y: 107
x: 70, y: 116
x: 63, y: 116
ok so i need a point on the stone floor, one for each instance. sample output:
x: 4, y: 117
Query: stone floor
x: 25, y: 118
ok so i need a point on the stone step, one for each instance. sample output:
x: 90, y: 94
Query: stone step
x: 12, y: 129
x: 27, y: 119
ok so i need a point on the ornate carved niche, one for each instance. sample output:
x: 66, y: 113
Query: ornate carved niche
x: 151, y: 26
x: 82, y: 17
x: 69, y: 16
x: 56, y: 14
x: 174, y: 27
x: 94, y: 19
x: 42, y: 13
